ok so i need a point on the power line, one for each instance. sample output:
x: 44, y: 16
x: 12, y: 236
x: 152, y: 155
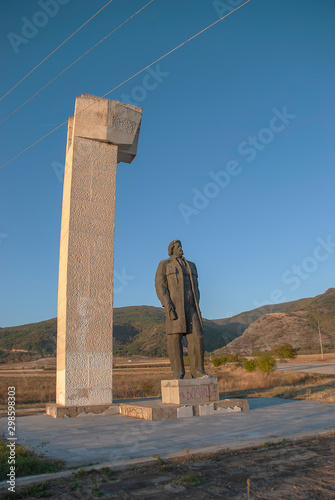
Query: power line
x: 125, y: 81
x: 55, y: 50
x: 72, y: 64
x: 173, y: 50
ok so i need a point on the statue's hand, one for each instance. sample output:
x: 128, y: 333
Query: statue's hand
x: 172, y: 312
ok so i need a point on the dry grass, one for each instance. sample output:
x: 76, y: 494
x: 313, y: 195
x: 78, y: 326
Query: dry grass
x: 35, y: 388
x: 29, y: 389
x: 143, y: 383
x: 233, y: 381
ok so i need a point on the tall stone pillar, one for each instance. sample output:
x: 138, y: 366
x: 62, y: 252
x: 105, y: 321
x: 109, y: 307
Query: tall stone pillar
x: 101, y: 134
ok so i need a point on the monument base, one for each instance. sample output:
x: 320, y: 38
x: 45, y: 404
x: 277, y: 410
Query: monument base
x: 152, y: 409
x: 184, y: 398
x: 156, y: 410
x: 59, y: 411
x: 190, y: 390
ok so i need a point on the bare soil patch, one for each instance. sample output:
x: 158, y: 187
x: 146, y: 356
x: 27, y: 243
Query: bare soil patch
x: 294, y: 470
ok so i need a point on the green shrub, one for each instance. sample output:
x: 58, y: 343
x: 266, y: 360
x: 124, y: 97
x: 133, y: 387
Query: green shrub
x: 232, y: 358
x: 228, y: 358
x: 249, y: 365
x: 284, y: 351
x: 220, y: 360
x: 256, y: 353
x: 265, y: 362
x: 216, y: 361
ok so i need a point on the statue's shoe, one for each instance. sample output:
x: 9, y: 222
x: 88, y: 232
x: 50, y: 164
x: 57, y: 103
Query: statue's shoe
x: 202, y: 375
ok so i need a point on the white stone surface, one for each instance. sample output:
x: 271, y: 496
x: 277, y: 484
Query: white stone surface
x: 101, y: 133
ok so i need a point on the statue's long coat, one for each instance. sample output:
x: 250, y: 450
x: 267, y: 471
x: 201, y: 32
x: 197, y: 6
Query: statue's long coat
x: 169, y: 284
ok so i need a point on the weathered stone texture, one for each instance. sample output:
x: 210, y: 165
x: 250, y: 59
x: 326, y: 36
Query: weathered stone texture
x: 156, y: 410
x: 60, y: 411
x: 101, y: 133
x: 190, y: 391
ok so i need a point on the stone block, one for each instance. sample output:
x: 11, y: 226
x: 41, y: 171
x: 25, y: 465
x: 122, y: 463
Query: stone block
x: 185, y: 412
x: 206, y: 409
x: 232, y: 404
x: 112, y: 410
x: 190, y: 391
x: 147, y: 412
x: 228, y: 410
x: 60, y: 411
x: 109, y: 121
x: 136, y: 411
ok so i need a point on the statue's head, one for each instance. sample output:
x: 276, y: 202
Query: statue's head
x: 175, y: 248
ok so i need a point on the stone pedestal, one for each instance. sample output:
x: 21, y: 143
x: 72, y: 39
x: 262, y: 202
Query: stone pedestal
x: 101, y: 134
x: 150, y: 409
x: 190, y: 391
x: 156, y: 410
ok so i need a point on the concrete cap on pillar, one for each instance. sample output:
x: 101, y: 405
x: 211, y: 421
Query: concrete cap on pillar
x: 109, y: 121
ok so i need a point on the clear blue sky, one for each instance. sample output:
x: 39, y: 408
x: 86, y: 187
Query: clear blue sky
x: 252, y: 98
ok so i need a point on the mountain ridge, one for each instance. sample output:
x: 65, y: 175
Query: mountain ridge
x: 141, y: 330
x: 298, y: 325
x: 136, y: 330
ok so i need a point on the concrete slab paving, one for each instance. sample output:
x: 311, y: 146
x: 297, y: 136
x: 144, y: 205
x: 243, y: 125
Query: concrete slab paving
x: 111, y: 438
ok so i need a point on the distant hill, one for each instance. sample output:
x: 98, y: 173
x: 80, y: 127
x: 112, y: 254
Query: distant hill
x: 136, y: 330
x: 295, y: 323
x: 141, y: 330
x: 249, y: 317
x: 31, y: 341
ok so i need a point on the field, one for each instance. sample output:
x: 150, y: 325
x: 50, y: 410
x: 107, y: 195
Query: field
x: 35, y: 381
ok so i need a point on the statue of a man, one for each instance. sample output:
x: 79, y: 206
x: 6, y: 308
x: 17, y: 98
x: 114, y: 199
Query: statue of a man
x: 177, y: 288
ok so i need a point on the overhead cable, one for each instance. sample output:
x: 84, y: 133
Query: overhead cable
x: 74, y: 62
x: 127, y: 80
x: 55, y: 50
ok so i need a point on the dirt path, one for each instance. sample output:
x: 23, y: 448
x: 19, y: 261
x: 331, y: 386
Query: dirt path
x: 294, y: 470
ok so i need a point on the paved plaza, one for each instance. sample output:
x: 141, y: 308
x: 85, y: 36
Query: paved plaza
x: 99, y: 439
